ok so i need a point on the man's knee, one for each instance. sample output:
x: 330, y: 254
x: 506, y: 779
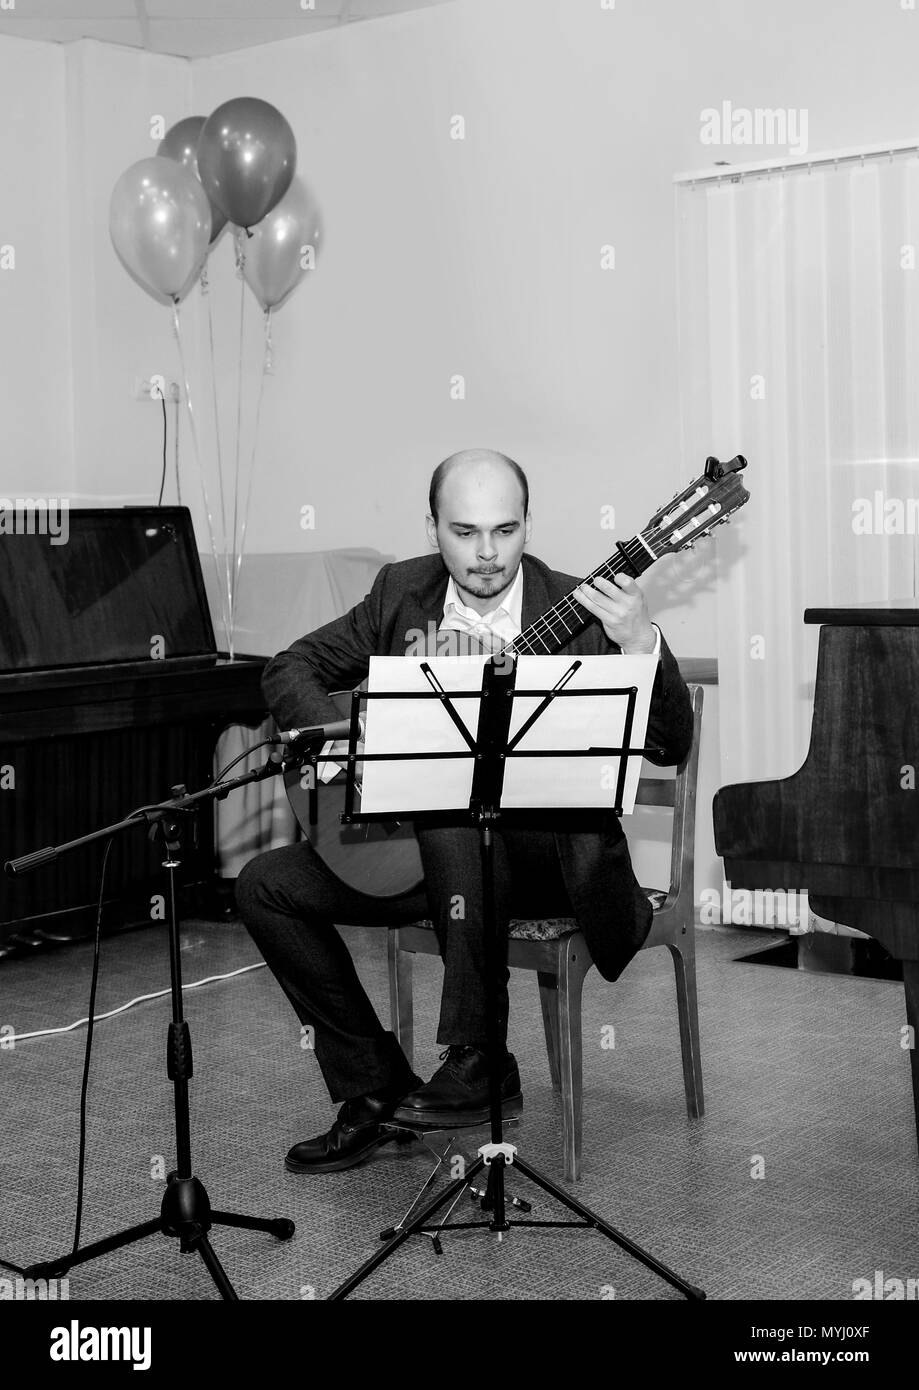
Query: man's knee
x: 270, y: 879
x: 252, y: 884
x: 286, y: 880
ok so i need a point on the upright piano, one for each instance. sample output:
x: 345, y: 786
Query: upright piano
x: 845, y: 826
x: 112, y: 690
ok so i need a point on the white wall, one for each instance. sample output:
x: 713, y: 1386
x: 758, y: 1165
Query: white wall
x: 76, y: 331
x: 36, y: 452
x: 119, y: 333
x: 478, y: 257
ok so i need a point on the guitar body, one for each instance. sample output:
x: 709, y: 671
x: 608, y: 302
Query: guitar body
x: 377, y: 859
x: 382, y: 859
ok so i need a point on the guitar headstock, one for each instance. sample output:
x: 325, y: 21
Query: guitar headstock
x: 707, y: 502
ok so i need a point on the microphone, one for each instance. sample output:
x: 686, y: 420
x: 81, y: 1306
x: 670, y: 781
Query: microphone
x: 315, y: 733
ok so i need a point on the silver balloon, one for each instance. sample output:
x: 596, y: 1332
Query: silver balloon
x: 283, y: 247
x: 160, y: 225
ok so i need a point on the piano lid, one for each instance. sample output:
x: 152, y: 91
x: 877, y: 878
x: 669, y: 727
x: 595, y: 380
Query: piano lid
x: 896, y: 612
x: 119, y: 585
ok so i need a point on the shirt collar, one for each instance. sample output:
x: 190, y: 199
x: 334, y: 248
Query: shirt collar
x: 510, y: 606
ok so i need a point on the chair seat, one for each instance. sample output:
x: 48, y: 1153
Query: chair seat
x: 551, y: 928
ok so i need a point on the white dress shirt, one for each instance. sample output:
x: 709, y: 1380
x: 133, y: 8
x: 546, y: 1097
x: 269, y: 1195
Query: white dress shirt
x: 495, y: 628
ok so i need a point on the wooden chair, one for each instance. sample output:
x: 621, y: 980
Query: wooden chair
x: 557, y: 951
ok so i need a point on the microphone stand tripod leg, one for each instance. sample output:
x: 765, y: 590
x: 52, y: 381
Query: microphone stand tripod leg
x: 215, y: 1268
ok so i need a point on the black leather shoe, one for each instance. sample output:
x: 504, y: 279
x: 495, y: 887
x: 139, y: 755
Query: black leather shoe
x: 457, y: 1093
x: 357, y: 1131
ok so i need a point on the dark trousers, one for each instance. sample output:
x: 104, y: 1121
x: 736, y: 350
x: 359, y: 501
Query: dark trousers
x: 290, y: 903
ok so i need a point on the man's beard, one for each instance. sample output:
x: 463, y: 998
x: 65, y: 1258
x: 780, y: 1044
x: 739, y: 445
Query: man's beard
x: 486, y: 585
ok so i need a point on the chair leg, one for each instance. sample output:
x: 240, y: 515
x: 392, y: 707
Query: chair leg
x: 684, y: 965
x: 911, y: 987
x: 574, y: 962
x: 401, y: 1009
x: 548, y: 998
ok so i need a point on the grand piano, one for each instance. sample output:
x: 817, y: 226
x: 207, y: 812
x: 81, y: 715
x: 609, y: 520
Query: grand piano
x: 111, y: 690
x: 845, y: 826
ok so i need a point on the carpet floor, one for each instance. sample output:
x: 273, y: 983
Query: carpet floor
x: 801, y: 1178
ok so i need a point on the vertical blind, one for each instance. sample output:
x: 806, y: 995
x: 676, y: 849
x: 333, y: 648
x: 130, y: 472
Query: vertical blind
x: 799, y: 347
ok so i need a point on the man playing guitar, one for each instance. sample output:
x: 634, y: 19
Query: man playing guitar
x: 481, y: 582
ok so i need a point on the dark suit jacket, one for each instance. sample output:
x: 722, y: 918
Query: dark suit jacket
x: 406, y: 597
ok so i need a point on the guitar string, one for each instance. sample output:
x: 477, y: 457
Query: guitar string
x: 636, y: 551
x: 640, y: 547
x: 643, y: 545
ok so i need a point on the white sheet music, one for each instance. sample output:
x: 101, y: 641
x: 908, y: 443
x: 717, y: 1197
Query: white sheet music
x: 569, y: 723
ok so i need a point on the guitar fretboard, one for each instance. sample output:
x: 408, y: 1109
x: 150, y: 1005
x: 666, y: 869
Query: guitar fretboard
x: 567, y: 617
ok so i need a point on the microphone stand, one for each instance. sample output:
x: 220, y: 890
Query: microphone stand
x: 186, y: 1213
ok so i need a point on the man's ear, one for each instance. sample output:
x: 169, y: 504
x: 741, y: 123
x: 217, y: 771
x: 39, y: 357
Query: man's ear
x: 528, y: 528
x: 430, y: 526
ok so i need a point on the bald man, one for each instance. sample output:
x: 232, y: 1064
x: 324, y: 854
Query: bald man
x: 481, y: 584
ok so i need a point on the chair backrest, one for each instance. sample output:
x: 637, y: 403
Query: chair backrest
x: 679, y: 792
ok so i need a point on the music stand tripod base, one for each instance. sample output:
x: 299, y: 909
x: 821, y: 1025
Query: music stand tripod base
x: 421, y: 1224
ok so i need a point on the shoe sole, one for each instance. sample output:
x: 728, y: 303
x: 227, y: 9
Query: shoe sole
x: 337, y: 1165
x: 511, y: 1106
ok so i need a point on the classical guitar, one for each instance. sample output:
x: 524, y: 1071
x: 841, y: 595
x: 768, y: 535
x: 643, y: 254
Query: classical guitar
x: 381, y: 861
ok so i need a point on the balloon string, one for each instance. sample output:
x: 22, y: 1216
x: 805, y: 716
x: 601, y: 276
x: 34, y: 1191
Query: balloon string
x: 175, y: 435
x: 207, y: 505
x: 240, y: 266
x: 205, y: 290
x: 267, y: 366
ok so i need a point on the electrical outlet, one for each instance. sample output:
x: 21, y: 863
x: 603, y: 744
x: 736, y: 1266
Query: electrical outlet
x: 155, y: 388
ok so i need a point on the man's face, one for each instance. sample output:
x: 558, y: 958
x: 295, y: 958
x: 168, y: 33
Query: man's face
x: 480, y: 531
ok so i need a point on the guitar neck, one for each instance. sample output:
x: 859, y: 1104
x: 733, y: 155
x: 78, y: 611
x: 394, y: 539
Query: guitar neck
x: 567, y: 617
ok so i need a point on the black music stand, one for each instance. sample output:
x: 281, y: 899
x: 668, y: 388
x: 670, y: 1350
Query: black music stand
x: 490, y: 749
x: 185, y: 1211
